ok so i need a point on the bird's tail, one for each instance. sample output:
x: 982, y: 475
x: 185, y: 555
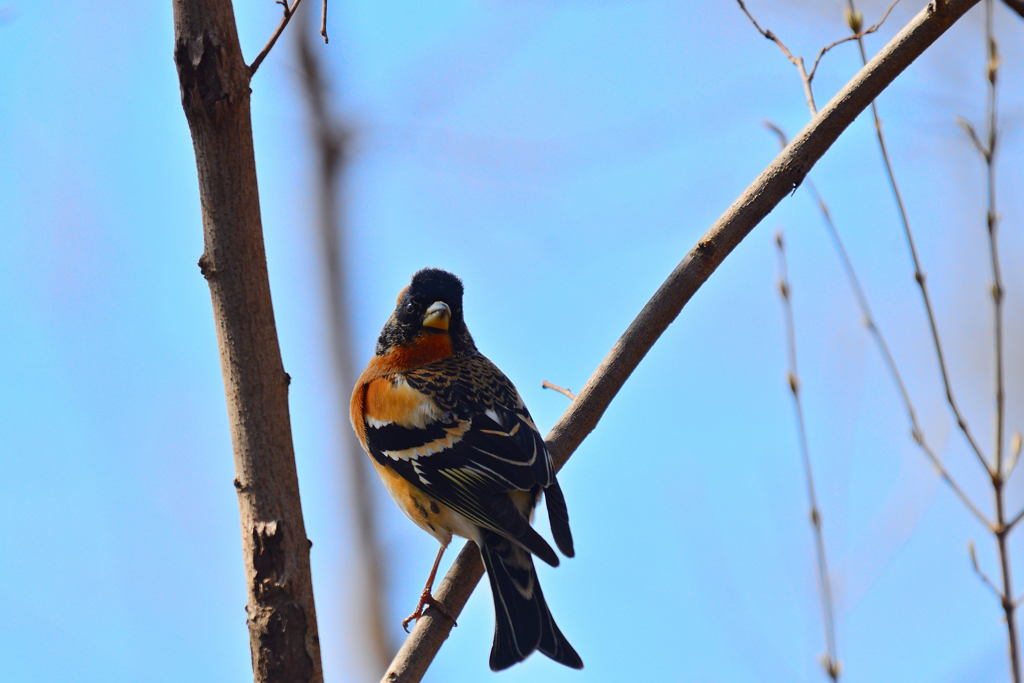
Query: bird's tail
x: 522, y: 621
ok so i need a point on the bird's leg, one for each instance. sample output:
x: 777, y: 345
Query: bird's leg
x: 426, y: 599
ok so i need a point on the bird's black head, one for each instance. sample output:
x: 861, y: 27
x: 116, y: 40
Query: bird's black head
x: 430, y: 305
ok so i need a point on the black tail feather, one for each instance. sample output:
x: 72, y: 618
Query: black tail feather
x: 522, y: 621
x: 558, y: 514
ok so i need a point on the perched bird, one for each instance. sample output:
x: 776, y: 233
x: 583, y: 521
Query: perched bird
x: 456, y: 448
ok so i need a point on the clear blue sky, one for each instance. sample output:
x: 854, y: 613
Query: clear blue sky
x: 561, y: 157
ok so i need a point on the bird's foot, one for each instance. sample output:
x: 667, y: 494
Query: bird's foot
x: 427, y: 600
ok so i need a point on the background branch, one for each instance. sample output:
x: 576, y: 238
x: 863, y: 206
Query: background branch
x: 779, y: 179
x: 919, y: 275
x: 832, y: 665
x: 332, y: 141
x: 916, y: 433
x: 214, y: 83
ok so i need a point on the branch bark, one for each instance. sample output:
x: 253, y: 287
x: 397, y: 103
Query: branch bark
x: 214, y: 81
x: 780, y: 178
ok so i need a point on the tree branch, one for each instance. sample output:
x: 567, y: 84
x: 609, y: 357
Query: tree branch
x: 288, y: 12
x: 779, y: 179
x: 832, y: 665
x: 331, y: 143
x: 916, y: 433
x: 565, y: 392
x: 214, y: 83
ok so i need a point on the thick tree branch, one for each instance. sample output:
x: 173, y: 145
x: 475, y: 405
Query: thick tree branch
x: 214, y: 84
x: 780, y: 178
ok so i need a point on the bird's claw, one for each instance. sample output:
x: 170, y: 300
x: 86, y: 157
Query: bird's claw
x: 427, y: 600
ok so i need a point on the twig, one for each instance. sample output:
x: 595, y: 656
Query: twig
x: 1013, y: 522
x: 969, y: 129
x: 798, y: 62
x: 857, y: 35
x: 1015, y: 443
x: 919, y: 276
x: 977, y: 570
x: 288, y: 12
x: 323, y: 22
x: 992, y: 223
x: 995, y: 471
x: 832, y: 665
x: 331, y: 143
x: 773, y: 184
x: 807, y: 77
x: 916, y: 433
x: 548, y: 385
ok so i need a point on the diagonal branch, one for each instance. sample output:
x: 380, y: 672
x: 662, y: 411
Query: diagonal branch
x: 288, y: 12
x: 779, y: 179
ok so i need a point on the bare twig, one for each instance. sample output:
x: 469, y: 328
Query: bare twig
x: 1014, y: 456
x: 323, y: 22
x: 288, y: 12
x: 992, y: 223
x: 919, y: 275
x: 832, y: 665
x: 857, y: 35
x: 214, y: 82
x: 807, y: 77
x: 774, y: 183
x: 916, y: 433
x: 973, y: 134
x: 331, y: 141
x: 977, y: 570
x: 568, y: 394
x: 798, y: 62
x: 1016, y: 519
x: 1001, y: 529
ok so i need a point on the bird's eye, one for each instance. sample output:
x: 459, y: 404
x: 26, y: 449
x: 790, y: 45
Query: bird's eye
x: 410, y: 308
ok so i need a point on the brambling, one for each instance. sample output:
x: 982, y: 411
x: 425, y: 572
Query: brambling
x: 456, y: 448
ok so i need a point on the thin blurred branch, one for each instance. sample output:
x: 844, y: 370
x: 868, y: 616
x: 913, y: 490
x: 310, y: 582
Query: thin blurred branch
x: 999, y: 477
x: 832, y: 664
x: 916, y: 433
x: 996, y: 473
x: 919, y: 275
x: 982, y: 575
x: 332, y: 142
x: 565, y: 392
x: 288, y: 12
x: 776, y: 182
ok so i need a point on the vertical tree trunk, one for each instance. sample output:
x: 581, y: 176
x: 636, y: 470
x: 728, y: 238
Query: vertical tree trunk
x: 214, y: 82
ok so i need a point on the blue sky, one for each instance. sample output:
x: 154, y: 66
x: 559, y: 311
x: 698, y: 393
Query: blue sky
x: 561, y: 157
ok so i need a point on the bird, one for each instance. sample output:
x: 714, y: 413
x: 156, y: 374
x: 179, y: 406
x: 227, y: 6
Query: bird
x: 453, y: 442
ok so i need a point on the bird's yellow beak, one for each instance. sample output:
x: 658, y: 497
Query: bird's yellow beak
x: 437, y: 316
